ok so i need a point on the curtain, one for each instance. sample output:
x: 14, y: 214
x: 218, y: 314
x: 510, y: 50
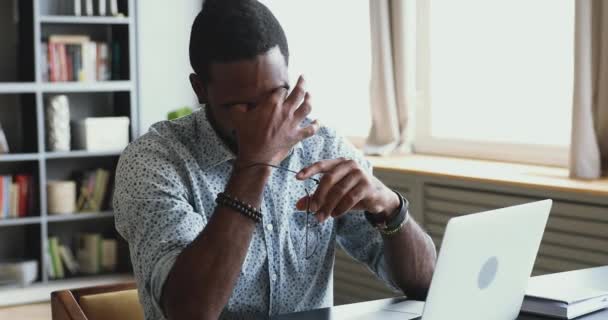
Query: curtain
x: 392, y: 88
x: 589, y: 148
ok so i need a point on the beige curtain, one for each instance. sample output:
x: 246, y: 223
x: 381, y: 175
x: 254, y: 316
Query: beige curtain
x: 589, y: 149
x: 392, y: 88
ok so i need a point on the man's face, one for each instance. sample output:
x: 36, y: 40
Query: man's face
x: 246, y: 82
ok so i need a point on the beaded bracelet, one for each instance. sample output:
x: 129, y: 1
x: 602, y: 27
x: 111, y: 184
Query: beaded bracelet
x: 390, y: 232
x: 243, y: 208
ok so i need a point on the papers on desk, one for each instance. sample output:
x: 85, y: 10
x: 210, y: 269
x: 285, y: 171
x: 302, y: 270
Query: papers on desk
x: 568, y: 295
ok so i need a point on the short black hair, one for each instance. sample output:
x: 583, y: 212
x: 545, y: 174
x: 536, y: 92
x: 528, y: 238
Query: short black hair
x: 233, y: 30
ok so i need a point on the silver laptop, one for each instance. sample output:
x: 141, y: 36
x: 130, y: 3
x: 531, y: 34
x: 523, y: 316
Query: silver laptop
x: 483, y: 267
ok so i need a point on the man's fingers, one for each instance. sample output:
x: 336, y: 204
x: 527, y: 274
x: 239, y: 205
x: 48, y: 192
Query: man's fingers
x: 304, y: 109
x: 351, y: 200
x: 296, y: 96
x: 319, y: 167
x: 339, y: 191
x: 302, y: 204
x: 243, y: 111
x: 308, y: 131
x: 276, y: 101
x: 328, y: 181
x: 278, y: 96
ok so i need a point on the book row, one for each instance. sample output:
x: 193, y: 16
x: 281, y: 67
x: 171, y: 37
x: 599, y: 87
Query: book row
x: 78, y: 58
x: 93, y: 255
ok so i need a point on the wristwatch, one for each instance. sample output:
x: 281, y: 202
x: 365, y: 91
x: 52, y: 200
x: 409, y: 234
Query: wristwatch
x: 395, y: 223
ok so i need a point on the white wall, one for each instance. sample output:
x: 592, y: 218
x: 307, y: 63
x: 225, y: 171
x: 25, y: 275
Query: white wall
x: 163, y: 37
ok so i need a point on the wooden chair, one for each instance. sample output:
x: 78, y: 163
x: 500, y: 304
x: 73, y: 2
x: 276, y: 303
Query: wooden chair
x: 116, y: 302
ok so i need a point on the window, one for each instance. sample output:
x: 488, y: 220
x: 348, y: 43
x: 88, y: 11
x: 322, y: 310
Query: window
x: 329, y: 43
x: 496, y: 79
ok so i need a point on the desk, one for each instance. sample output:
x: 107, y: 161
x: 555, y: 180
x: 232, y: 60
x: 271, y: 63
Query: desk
x: 352, y: 311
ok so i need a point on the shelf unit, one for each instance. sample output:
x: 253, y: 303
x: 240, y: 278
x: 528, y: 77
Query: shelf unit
x: 40, y: 292
x: 84, y: 20
x: 23, y: 95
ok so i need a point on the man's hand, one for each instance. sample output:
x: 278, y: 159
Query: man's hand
x: 345, y: 186
x: 267, y: 132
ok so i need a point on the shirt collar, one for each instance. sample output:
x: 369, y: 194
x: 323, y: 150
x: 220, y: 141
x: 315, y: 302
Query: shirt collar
x: 216, y: 151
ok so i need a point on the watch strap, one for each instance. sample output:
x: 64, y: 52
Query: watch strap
x: 396, y: 222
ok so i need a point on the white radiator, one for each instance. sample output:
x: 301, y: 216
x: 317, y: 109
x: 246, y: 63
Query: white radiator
x: 576, y: 236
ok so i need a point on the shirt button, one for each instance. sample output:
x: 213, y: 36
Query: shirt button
x: 273, y: 277
x: 269, y: 227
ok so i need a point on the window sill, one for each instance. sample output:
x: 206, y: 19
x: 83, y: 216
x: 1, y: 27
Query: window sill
x: 530, y: 176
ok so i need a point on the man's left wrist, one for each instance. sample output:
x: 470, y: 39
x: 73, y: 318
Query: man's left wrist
x: 393, y: 221
x: 391, y: 209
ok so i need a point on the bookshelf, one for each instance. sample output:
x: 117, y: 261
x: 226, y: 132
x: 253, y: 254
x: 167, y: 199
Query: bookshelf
x: 24, y: 25
x: 84, y: 20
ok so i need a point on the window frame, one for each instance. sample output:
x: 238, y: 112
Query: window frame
x: 425, y: 143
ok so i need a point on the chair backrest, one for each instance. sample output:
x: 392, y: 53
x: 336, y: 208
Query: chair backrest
x: 117, y: 301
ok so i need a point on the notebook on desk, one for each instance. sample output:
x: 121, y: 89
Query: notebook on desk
x: 568, y: 295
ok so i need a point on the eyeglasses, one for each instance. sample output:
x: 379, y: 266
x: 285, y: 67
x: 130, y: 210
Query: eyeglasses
x: 311, y: 232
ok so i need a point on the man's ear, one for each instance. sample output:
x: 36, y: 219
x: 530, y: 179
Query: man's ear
x: 199, y: 88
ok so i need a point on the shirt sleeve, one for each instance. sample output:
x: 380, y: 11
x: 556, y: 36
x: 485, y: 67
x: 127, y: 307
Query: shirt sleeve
x: 154, y: 214
x: 355, y: 234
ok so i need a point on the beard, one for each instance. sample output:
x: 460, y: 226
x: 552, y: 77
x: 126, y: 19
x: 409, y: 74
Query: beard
x: 227, y: 136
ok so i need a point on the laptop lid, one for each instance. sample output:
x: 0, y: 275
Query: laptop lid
x: 485, y: 262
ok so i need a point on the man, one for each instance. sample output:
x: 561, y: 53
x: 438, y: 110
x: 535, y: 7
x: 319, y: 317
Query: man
x: 214, y: 229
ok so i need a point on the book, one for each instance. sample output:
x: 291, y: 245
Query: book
x: 65, y: 49
x: 564, y: 310
x: 69, y: 38
x: 6, y: 181
x: 89, y: 54
x: 77, y: 8
x: 45, y: 61
x: 103, y: 70
x: 4, y: 148
x: 48, y: 262
x: 97, y: 190
x: 63, y: 67
x: 69, y: 50
x: 101, y: 183
x: 89, y: 253
x: 68, y: 259
x: 23, y: 181
x: 114, y: 8
x: 93, y: 190
x: 77, y: 58
x: 101, y: 6
x: 14, y: 201
x: 109, y: 249
x: 55, y: 256
x: 52, y: 65
x: 85, y: 193
x: 84, y: 73
x: 568, y: 295
x: 89, y: 7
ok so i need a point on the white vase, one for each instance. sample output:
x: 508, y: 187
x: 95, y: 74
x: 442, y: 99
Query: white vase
x: 58, y: 123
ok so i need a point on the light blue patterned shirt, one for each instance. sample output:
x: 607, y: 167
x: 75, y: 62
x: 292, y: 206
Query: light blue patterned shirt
x: 166, y: 185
